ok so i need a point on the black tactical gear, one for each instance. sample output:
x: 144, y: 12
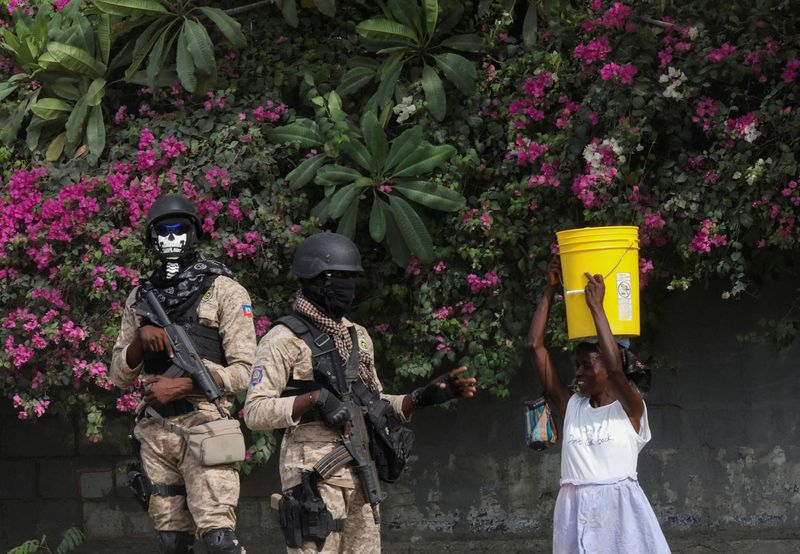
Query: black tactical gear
x: 175, y: 542
x: 390, y: 442
x: 331, y: 409
x: 432, y: 393
x: 171, y: 205
x: 304, y: 515
x: 325, y: 252
x: 222, y: 541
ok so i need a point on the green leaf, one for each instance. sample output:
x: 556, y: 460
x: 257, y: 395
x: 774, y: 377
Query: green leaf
x: 387, y: 31
x: 431, y: 15
x: 104, y: 37
x: 185, y: 62
x: 96, y: 92
x: 73, y: 538
x: 403, y: 146
x: 530, y: 26
x: 347, y: 224
x: 96, y: 131
x: 389, y: 74
x: 423, y: 160
x: 76, y: 59
x: 289, y: 12
x: 130, y: 7
x: 338, y: 174
x: 354, y: 80
x: 359, y: 153
x: 6, y: 89
x: 326, y: 7
x: 200, y: 47
x: 394, y: 238
x: 144, y: 44
x: 465, y: 43
x: 377, y: 221
x: 434, y: 92
x: 155, y: 58
x: 75, y: 124
x: 228, y: 26
x: 301, y: 175
x: 342, y: 199
x: 67, y: 88
x: 303, y: 131
x: 335, y: 106
x: 34, y: 132
x: 458, y: 70
x: 11, y: 124
x: 50, y: 108
x: 412, y: 228
x: 431, y: 195
x: 375, y: 139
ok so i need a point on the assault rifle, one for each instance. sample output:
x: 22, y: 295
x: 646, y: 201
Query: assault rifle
x: 185, y: 354
x: 355, y: 448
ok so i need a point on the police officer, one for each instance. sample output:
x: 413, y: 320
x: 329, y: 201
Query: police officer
x: 188, y: 499
x: 288, y: 391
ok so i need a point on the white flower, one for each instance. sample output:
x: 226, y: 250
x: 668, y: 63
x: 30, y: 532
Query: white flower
x: 693, y: 32
x: 405, y: 109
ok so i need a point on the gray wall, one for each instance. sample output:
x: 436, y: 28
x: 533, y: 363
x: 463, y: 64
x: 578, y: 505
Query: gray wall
x: 722, y: 470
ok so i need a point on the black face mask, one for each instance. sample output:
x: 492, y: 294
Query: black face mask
x: 332, y: 295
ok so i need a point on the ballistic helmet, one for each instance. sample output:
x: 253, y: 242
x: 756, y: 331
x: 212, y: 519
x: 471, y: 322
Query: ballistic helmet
x: 171, y: 206
x: 325, y: 252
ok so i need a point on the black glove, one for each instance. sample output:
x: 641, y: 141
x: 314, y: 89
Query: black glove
x: 332, y: 409
x: 432, y: 394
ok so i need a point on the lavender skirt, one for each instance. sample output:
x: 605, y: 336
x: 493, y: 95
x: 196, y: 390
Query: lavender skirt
x: 606, y: 518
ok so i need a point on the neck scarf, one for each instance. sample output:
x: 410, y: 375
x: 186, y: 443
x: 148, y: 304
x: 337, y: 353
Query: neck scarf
x: 177, y: 294
x: 340, y: 334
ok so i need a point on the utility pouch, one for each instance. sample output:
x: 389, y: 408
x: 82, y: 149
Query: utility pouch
x: 217, y: 442
x: 390, y: 441
x: 136, y: 479
x: 304, y: 515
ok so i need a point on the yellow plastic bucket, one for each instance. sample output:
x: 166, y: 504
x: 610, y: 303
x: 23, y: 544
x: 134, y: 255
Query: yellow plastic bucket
x: 613, y: 252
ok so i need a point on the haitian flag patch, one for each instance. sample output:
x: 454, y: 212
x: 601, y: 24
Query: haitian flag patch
x: 247, y: 310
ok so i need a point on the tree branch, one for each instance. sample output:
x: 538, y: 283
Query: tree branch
x: 248, y: 7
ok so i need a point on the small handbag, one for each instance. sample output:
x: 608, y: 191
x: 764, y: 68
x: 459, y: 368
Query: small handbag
x: 540, y: 429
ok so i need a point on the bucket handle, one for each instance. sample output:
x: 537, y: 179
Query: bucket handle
x: 610, y: 271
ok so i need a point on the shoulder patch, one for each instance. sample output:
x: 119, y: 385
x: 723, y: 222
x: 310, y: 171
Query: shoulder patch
x: 247, y: 310
x: 362, y: 344
x: 208, y: 293
x: 257, y: 375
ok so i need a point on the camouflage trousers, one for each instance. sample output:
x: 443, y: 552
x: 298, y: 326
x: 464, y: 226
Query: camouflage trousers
x: 361, y: 534
x: 212, y: 492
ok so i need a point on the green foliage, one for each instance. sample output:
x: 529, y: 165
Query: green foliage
x: 417, y: 36
x: 72, y: 539
x: 387, y: 174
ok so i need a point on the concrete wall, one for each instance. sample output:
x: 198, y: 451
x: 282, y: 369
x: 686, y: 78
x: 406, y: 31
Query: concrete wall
x: 722, y: 470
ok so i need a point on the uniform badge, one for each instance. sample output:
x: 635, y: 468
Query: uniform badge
x: 257, y: 376
x: 247, y: 310
x: 362, y: 344
x: 207, y: 295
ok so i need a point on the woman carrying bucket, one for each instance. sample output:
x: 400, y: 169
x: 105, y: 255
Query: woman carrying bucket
x: 600, y: 505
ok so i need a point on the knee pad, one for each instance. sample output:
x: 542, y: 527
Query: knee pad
x: 222, y: 541
x: 176, y: 542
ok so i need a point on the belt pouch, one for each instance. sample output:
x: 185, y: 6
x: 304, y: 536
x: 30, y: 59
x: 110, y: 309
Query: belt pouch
x: 217, y: 442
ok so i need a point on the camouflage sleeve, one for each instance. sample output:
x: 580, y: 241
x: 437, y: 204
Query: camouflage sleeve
x: 122, y: 375
x: 277, y: 353
x: 366, y: 346
x: 237, y: 332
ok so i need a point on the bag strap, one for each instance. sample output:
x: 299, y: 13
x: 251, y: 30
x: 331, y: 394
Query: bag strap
x: 177, y: 429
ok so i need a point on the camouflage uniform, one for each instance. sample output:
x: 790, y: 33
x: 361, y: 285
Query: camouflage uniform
x: 280, y: 356
x: 212, y: 492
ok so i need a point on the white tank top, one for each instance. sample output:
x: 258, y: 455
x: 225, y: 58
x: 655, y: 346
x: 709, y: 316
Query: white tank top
x: 600, y: 444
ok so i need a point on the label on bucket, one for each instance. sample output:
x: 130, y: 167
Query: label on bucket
x: 624, y: 297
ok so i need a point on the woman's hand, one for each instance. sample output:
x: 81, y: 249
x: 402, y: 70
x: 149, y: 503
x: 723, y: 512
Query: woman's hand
x: 595, y: 291
x: 554, y: 278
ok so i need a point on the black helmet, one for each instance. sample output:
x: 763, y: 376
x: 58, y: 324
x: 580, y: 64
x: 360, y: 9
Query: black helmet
x: 171, y: 205
x: 325, y: 252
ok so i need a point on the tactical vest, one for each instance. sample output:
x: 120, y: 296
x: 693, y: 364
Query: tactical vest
x: 207, y: 340
x: 331, y: 372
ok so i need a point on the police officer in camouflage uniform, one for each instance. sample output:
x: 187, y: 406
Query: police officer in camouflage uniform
x: 281, y: 397
x: 188, y: 499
